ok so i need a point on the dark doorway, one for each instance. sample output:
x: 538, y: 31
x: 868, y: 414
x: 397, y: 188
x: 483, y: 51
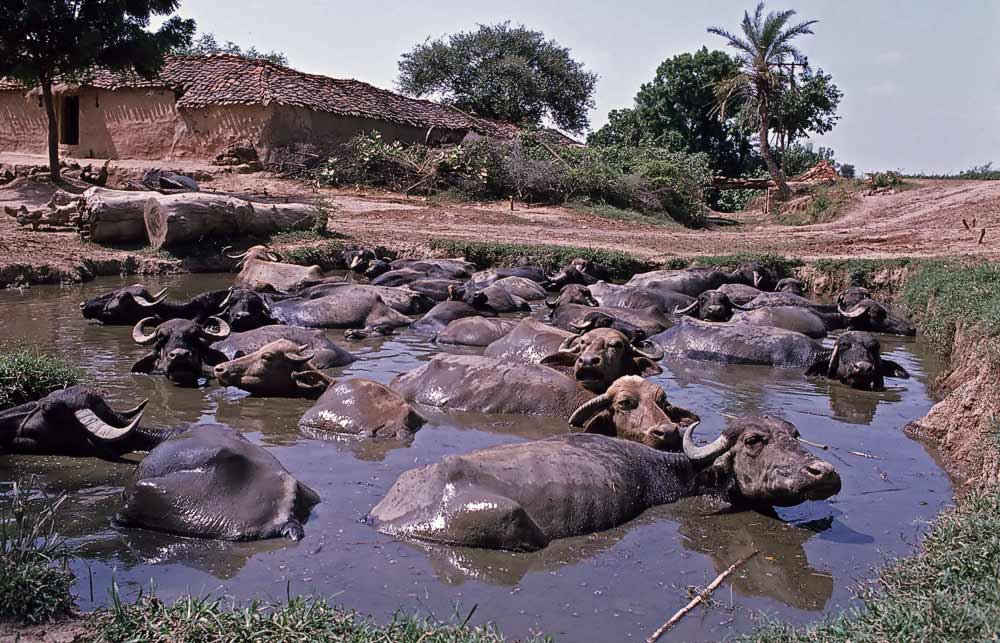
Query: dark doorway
x: 69, y: 133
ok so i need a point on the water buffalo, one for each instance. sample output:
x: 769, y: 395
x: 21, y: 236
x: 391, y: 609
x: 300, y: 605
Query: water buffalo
x: 792, y: 285
x: 448, y: 311
x: 242, y: 309
x: 365, y: 262
x: 441, y: 268
x: 572, y: 294
x: 437, y: 290
x: 860, y: 367
x: 401, y: 300
x: 475, y: 331
x: 600, y: 356
x: 578, y: 271
x: 498, y: 299
x: 262, y: 269
x: 78, y: 422
x: 637, y: 410
x: 360, y: 408
x: 522, y: 496
x: 615, y: 296
x: 210, y: 482
x: 711, y: 305
x: 739, y: 293
x: 278, y: 369
x: 326, y: 354
x: 752, y: 273
x: 766, y: 299
x: 349, y: 308
x: 856, y: 360
x: 520, y: 287
x: 484, y: 278
x: 528, y: 343
x: 869, y: 315
x: 124, y: 306
x: 639, y: 323
x: 404, y: 276
x: 799, y: 319
x: 483, y: 385
x: 689, y: 281
x: 181, y: 348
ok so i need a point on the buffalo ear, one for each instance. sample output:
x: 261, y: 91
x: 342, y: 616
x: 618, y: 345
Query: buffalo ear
x: 681, y: 416
x: 646, y: 367
x: 559, y: 358
x: 146, y: 364
x: 820, y: 367
x: 310, y: 381
x: 213, y: 357
x: 889, y: 368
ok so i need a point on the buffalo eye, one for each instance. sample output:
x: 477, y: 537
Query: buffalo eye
x: 267, y: 357
x: 753, y: 439
x: 615, y: 345
x: 626, y: 403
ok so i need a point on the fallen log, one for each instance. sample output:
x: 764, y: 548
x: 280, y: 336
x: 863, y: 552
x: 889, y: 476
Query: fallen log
x: 114, y: 216
x: 177, y: 219
x: 262, y: 219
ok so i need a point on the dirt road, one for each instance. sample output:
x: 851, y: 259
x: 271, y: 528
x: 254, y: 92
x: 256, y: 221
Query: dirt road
x: 925, y: 221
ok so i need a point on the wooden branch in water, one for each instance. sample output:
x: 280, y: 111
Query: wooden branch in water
x: 704, y: 594
x: 865, y: 455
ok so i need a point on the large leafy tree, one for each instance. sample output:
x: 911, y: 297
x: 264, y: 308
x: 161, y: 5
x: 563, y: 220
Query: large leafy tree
x: 42, y: 41
x: 675, y: 110
x: 502, y: 71
x: 767, y: 60
x: 807, y: 105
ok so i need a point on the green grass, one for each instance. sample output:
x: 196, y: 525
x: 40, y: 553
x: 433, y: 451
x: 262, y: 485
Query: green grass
x: 780, y: 265
x: 322, y: 254
x: 613, y: 213
x: 27, y: 374
x: 203, y: 620
x: 941, y: 295
x: 488, y: 254
x: 827, y: 203
x: 947, y: 591
x: 860, y: 272
x: 34, y: 581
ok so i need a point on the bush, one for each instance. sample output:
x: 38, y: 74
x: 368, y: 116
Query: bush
x: 488, y: 254
x: 887, y: 179
x: 531, y: 168
x: 27, y: 375
x: 34, y: 581
x: 323, y: 254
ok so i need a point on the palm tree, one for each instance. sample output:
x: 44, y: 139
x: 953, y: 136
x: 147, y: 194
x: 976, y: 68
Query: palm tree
x: 767, y: 60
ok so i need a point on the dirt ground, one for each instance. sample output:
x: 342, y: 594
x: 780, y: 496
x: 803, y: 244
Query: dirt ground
x: 925, y: 220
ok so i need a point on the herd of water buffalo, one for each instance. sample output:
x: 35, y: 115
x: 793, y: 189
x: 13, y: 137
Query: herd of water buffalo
x: 626, y: 447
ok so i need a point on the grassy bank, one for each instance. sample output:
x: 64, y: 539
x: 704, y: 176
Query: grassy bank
x: 488, y: 254
x: 26, y: 374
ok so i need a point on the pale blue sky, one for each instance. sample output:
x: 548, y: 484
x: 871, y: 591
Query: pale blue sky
x: 921, y: 79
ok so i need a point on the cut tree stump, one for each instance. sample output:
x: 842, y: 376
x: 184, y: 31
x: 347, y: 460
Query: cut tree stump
x: 114, y: 216
x: 268, y: 218
x: 178, y: 219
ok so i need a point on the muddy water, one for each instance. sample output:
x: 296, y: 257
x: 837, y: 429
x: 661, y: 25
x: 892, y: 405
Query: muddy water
x: 612, y: 586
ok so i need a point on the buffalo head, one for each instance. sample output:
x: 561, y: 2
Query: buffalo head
x: 752, y: 273
x: 123, y: 306
x: 279, y: 369
x: 181, y: 348
x: 637, y: 410
x: 759, y: 462
x: 711, y: 305
x: 246, y: 310
x: 579, y: 271
x: 259, y: 252
x: 869, y: 315
x: 856, y: 360
x: 792, y: 285
x: 572, y: 294
x: 599, y: 357
x: 75, y: 421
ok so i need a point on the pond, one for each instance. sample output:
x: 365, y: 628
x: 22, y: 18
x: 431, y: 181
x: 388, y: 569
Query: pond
x: 612, y: 586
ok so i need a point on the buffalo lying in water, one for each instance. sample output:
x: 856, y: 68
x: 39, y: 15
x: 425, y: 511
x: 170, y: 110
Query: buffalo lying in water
x: 600, y: 356
x: 78, y: 422
x: 402, y: 300
x: 521, y: 288
x: 438, y: 318
x: 484, y: 278
x: 242, y: 309
x: 360, y: 408
x: 860, y: 312
x: 798, y: 319
x: 182, y: 349
x: 443, y: 268
x: 711, y: 305
x: 689, y: 281
x: 124, y: 306
x: 210, y: 482
x: 326, y: 354
x: 279, y: 369
x: 855, y: 360
x: 615, y: 296
x: 351, y: 308
x: 739, y: 293
x: 475, y: 331
x: 578, y: 271
x: 638, y: 323
x: 262, y: 269
x: 792, y: 285
x: 523, y: 496
x: 528, y: 343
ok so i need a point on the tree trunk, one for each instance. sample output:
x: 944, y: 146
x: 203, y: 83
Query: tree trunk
x: 765, y: 150
x: 50, y: 112
x: 177, y: 219
x: 114, y: 216
x: 268, y: 218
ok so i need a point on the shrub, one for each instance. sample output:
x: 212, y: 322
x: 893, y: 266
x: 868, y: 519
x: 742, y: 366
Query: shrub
x: 487, y: 254
x: 27, y: 374
x: 323, y: 254
x: 887, y: 179
x: 34, y: 581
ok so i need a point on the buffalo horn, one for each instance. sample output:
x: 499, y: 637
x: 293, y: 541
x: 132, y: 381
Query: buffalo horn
x: 707, y: 454
x: 738, y: 307
x: 655, y: 356
x: 146, y: 303
x: 274, y: 256
x: 355, y: 262
x: 234, y: 256
x: 301, y: 357
x: 225, y: 302
x: 220, y: 334
x: 684, y: 311
x: 756, y: 279
x: 569, y: 344
x: 101, y: 429
x: 857, y: 311
x: 140, y: 336
x: 831, y: 369
x: 131, y: 413
x: 590, y: 408
x: 582, y: 327
x: 552, y: 303
x: 34, y: 411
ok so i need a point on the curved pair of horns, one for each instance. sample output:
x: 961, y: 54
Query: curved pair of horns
x: 855, y: 312
x: 104, y: 431
x: 704, y: 455
x: 147, y: 303
x: 302, y: 357
x: 141, y: 337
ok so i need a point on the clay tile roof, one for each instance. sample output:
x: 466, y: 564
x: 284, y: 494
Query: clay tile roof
x: 224, y: 79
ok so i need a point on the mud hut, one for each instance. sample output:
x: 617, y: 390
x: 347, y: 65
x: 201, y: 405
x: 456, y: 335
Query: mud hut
x: 198, y: 106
